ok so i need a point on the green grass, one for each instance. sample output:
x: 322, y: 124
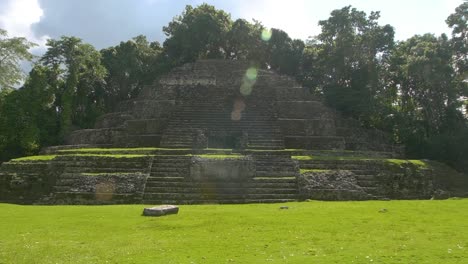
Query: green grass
x: 422, y: 232
x: 220, y: 156
x: 418, y: 163
x: 111, y: 155
x: 36, y: 158
x: 97, y: 174
x: 116, y: 149
x: 302, y: 171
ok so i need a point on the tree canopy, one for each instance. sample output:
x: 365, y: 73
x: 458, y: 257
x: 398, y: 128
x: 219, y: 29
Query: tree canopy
x: 12, y: 52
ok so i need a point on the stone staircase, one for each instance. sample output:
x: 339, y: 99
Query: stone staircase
x: 262, y: 131
x: 170, y: 182
x: 167, y: 180
x: 274, y: 180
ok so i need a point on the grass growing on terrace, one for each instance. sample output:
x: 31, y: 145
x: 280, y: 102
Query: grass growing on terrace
x: 220, y: 156
x: 310, y: 232
x: 419, y: 163
x: 117, y: 149
x: 111, y: 155
x: 36, y: 158
x: 302, y: 171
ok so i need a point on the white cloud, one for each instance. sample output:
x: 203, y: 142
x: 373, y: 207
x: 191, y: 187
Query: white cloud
x: 18, y: 17
x: 292, y: 16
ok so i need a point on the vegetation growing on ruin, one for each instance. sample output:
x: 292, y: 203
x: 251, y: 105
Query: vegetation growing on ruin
x: 117, y: 156
x: 308, y: 232
x: 220, y: 156
x: 97, y: 174
x: 119, y: 149
x: 419, y: 163
x: 36, y: 158
x: 302, y: 171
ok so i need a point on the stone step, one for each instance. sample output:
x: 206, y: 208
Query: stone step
x: 207, y: 196
x: 73, y: 175
x: 262, y: 196
x: 96, y: 198
x: 275, y: 174
x: 274, y: 147
x: 166, y: 169
x: 153, y: 181
x: 217, y: 201
x: 220, y: 190
x: 370, y: 183
x: 106, y: 164
x: 340, y: 166
x: 69, y: 169
x: 273, y: 179
x: 256, y: 184
x: 366, y: 177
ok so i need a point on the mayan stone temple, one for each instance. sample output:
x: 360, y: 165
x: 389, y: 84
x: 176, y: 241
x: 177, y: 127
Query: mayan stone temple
x: 219, y: 131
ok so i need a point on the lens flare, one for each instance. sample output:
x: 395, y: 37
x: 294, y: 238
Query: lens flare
x: 237, y: 109
x: 266, y: 34
x: 251, y: 73
x: 248, y: 81
x: 105, y: 191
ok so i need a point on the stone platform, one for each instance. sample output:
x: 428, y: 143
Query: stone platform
x: 182, y: 176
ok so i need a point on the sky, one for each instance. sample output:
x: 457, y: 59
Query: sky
x: 105, y: 23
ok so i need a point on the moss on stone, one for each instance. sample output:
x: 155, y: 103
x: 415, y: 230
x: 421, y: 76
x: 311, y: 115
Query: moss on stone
x: 302, y: 171
x: 220, y: 156
x: 419, y: 163
x: 118, y: 149
x: 111, y: 155
x: 97, y: 174
x: 301, y: 157
x: 36, y: 158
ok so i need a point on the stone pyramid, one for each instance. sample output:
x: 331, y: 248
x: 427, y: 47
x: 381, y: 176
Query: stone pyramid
x: 218, y: 131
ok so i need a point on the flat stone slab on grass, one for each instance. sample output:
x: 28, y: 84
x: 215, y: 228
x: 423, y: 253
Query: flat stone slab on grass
x: 161, y: 210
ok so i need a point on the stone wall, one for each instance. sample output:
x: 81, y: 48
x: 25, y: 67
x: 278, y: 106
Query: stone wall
x: 213, y: 169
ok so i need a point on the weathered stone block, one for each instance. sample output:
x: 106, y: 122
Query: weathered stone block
x: 215, y: 169
x: 330, y: 185
x: 161, y: 210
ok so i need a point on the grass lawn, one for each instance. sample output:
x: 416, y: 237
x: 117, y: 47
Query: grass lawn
x: 310, y: 232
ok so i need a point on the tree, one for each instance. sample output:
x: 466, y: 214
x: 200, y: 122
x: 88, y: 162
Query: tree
x: 284, y: 54
x: 350, y: 52
x: 130, y: 65
x: 243, y: 41
x: 196, y: 34
x: 458, y: 21
x: 76, y: 71
x: 12, y: 52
